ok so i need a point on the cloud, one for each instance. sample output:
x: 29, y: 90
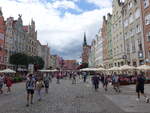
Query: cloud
x: 63, y: 34
x: 66, y: 5
x: 101, y: 3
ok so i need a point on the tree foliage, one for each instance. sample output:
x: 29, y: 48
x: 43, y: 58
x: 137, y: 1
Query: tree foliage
x: 23, y: 59
x: 37, y: 61
x: 19, y: 59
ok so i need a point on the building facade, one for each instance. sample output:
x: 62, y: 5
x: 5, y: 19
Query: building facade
x: 117, y: 33
x: 145, y: 6
x: 53, y: 60
x: 98, y: 50
x: 32, y: 47
x: 92, y: 55
x: 45, y: 55
x: 109, y: 39
x: 133, y: 34
x: 70, y: 65
x: 105, y: 43
x: 15, y: 37
x: 2, y: 41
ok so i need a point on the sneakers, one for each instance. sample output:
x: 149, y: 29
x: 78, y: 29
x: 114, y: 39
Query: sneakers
x: 137, y: 99
x: 27, y: 105
x: 147, y: 100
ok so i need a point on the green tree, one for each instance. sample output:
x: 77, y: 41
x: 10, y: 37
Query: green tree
x: 18, y: 59
x: 37, y: 61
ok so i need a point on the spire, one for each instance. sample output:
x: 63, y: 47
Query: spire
x: 1, y: 14
x: 85, y: 42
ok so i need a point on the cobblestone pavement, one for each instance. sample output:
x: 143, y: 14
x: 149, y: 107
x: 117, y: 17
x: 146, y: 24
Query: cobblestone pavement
x: 62, y: 98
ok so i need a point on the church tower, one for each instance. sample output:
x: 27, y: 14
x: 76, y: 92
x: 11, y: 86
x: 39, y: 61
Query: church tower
x: 85, y: 42
x: 85, y: 51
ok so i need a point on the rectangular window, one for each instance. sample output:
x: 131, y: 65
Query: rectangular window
x: 137, y: 13
x: 133, y: 44
x: 126, y: 23
x: 138, y: 29
x: 130, y: 5
x: 147, y: 19
x: 148, y: 36
x: 146, y: 3
x: 131, y: 19
x: 128, y: 46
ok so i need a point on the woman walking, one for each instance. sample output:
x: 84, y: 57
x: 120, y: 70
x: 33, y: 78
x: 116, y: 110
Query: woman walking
x: 39, y: 86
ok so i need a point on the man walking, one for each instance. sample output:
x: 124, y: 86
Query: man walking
x: 95, y: 81
x: 84, y: 76
x: 140, y: 86
x: 46, y: 79
x: 30, y: 86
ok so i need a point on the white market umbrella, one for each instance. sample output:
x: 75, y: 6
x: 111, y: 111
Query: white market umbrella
x: 114, y: 69
x: 55, y: 70
x: 101, y: 69
x: 48, y: 70
x: 144, y: 67
x: 126, y: 67
x: 88, y: 69
x: 8, y: 71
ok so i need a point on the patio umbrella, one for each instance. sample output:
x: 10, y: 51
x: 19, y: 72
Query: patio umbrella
x: 114, y: 69
x: 88, y: 69
x: 8, y: 71
x: 101, y: 69
x: 127, y: 67
x: 144, y: 67
x: 48, y: 70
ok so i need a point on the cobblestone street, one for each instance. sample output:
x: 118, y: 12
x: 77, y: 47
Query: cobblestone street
x: 62, y: 98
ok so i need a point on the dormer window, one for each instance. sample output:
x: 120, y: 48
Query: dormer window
x: 146, y: 3
x: 130, y: 5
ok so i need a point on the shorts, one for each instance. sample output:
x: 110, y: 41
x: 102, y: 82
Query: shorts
x: 140, y: 90
x: 30, y: 91
x: 46, y: 84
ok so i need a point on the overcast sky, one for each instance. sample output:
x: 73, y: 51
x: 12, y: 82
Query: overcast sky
x: 60, y: 23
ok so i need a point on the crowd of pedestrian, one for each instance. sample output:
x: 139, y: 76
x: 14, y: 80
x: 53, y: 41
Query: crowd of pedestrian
x: 35, y: 82
x: 38, y: 81
x: 115, y: 81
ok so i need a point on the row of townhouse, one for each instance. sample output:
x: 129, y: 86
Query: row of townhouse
x: 126, y: 33
x: 17, y: 38
x: 96, y: 51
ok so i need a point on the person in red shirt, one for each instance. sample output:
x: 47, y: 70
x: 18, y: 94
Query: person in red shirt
x: 8, y: 82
